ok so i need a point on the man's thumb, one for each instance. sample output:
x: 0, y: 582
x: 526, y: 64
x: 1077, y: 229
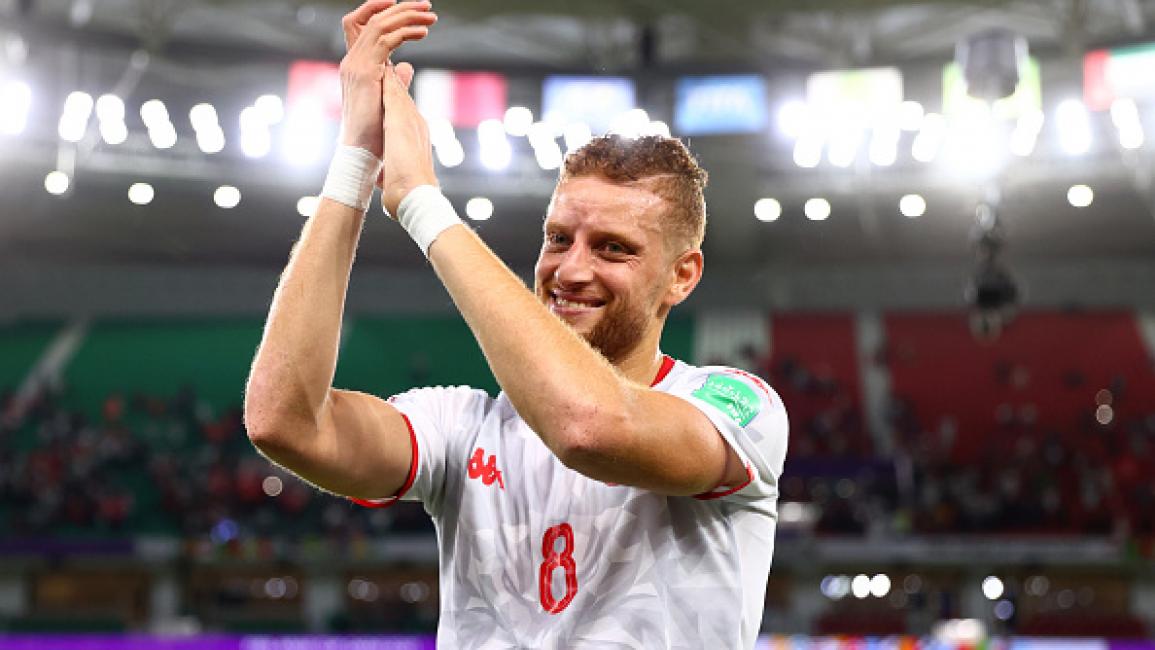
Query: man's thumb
x: 404, y: 72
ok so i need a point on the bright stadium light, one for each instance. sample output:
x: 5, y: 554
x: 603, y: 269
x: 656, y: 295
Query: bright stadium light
x: 496, y: 152
x: 659, y: 128
x: 227, y: 197
x: 860, y: 586
x: 912, y: 206
x: 880, y: 585
x: 451, y: 154
x: 1125, y: 115
x: 441, y: 132
x: 767, y: 209
x: 211, y: 140
x: 793, y: 118
x: 307, y: 205
x: 110, y: 108
x: 835, y: 587
x: 1074, y: 124
x: 141, y: 193
x: 517, y: 121
x: 15, y: 104
x: 154, y: 113
x: 479, y: 208
x: 1026, y: 133
x: 113, y: 132
x: 808, y: 150
x: 303, y: 143
x: 256, y: 140
x: 74, y: 120
x: 992, y: 588
x: 884, y: 146
x: 57, y: 183
x: 203, y: 116
x: 817, y: 209
x: 577, y: 135
x: 929, y: 139
x: 844, y: 143
x: 1080, y: 196
x: 631, y: 124
x: 548, y: 155
x: 270, y: 108
x: 163, y: 136
x: 910, y: 115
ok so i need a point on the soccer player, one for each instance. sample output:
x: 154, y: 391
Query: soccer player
x: 610, y: 496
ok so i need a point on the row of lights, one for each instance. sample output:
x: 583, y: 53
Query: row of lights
x: 972, y: 139
x: 911, y: 206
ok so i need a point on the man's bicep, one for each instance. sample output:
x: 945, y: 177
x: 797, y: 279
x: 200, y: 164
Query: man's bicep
x: 363, y: 448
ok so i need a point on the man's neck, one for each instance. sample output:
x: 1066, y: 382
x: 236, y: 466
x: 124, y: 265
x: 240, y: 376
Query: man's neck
x: 643, y: 362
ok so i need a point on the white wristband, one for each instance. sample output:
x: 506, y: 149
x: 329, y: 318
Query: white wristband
x: 352, y: 175
x: 425, y: 213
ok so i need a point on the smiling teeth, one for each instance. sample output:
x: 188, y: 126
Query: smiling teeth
x: 562, y: 302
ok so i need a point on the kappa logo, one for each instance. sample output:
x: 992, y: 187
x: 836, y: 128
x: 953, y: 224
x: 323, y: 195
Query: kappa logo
x: 486, y: 470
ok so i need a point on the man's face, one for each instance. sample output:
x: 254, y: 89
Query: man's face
x: 604, y: 266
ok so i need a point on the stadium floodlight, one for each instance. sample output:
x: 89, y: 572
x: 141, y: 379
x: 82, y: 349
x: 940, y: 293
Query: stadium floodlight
x: 154, y: 113
x: 912, y: 206
x: 110, y: 108
x: 307, y: 205
x: 15, y: 105
x: 256, y: 140
x: 496, y: 152
x: 767, y: 209
x: 57, y: 183
x: 518, y: 120
x: 1026, y: 133
x: 163, y: 135
x: 548, y: 155
x: 141, y: 193
x: 1125, y: 115
x: 203, y: 116
x: 479, y: 208
x: 993, y: 588
x: 441, y: 132
x: 1074, y: 124
x: 884, y: 145
x: 844, y: 143
x: 910, y: 115
x: 793, y: 118
x: 304, y: 141
x: 577, y: 135
x: 114, y: 132
x: 272, y: 485
x: 880, y: 585
x: 632, y: 124
x: 808, y: 150
x: 74, y: 120
x: 817, y: 209
x: 270, y: 108
x: 211, y: 140
x: 860, y: 586
x: 659, y: 128
x: 227, y: 197
x: 1080, y: 196
x: 929, y: 139
x: 451, y: 154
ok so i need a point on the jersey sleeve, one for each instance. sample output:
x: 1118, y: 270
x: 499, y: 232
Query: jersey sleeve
x: 438, y: 419
x: 751, y: 418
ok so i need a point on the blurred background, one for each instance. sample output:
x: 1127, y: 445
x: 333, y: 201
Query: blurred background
x: 932, y: 229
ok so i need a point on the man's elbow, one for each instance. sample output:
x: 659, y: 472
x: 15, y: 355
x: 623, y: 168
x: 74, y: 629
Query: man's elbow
x: 272, y: 428
x: 586, y: 443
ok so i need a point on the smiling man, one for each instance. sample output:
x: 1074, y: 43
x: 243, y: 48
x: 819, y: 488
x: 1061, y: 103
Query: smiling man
x: 610, y: 496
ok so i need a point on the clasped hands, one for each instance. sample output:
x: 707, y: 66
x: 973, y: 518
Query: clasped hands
x: 377, y: 112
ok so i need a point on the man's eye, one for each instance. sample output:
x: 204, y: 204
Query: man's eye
x: 555, y: 239
x: 614, y: 248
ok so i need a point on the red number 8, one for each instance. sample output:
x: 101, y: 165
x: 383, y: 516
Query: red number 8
x: 554, y: 560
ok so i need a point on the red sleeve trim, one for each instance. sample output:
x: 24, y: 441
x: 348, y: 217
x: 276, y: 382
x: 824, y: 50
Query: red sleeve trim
x: 715, y: 494
x: 667, y: 366
x: 758, y: 381
x: 414, y: 459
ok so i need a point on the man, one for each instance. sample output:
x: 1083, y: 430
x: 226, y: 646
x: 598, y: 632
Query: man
x: 610, y: 496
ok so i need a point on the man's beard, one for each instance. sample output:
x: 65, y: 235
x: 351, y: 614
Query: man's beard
x: 618, y: 331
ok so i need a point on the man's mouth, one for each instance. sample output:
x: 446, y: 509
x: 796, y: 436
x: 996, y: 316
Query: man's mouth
x: 573, y: 304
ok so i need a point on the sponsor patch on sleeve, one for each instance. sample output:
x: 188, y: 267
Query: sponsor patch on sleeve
x: 731, y: 396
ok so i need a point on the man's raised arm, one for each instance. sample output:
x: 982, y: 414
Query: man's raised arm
x: 350, y: 443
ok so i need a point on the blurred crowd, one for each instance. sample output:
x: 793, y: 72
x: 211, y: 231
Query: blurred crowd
x: 151, y: 464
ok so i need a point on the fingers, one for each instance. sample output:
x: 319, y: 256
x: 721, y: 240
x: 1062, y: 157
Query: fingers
x: 356, y: 19
x: 404, y: 72
x: 391, y: 40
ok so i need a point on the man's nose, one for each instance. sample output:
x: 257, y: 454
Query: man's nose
x: 575, y: 267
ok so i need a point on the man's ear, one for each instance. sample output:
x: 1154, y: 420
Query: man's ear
x: 687, y: 272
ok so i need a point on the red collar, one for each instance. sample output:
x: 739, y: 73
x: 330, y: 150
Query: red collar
x: 667, y: 366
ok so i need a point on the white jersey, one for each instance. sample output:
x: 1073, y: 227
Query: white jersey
x: 536, y: 555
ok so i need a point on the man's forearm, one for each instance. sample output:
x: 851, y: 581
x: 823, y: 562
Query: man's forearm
x: 552, y: 377
x: 294, y: 366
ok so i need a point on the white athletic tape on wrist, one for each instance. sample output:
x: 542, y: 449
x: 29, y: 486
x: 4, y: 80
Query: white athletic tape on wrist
x: 425, y: 213
x: 352, y: 175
